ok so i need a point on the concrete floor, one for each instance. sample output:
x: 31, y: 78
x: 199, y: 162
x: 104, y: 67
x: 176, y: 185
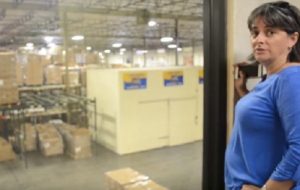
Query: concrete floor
x: 177, y: 168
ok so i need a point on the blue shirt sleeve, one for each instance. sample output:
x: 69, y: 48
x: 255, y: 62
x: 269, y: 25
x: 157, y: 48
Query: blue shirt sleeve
x: 287, y: 99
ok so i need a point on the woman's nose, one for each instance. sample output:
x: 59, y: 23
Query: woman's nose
x: 260, y: 38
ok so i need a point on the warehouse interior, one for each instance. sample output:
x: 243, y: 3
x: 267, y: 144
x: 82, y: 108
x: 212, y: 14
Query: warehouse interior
x: 101, y: 94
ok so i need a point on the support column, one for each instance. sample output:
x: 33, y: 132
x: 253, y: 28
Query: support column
x: 215, y: 93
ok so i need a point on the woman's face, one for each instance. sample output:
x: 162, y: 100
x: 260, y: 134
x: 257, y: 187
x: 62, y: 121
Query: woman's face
x: 270, y: 44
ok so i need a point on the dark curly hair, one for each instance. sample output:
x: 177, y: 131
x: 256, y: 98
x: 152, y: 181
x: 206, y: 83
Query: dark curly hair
x: 280, y: 14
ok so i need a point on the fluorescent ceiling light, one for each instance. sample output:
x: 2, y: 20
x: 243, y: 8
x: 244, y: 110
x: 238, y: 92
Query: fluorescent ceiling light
x: 29, y: 44
x: 48, y: 39
x: 172, y: 46
x: 101, y: 55
x: 88, y: 48
x: 51, y: 45
x: 122, y: 49
x: 152, y: 23
x: 107, y: 51
x: 162, y: 50
x: 77, y: 37
x: 42, y: 51
x: 121, y: 52
x: 28, y: 47
x: 117, y: 45
x: 166, y: 39
x: 179, y: 49
x: 139, y: 52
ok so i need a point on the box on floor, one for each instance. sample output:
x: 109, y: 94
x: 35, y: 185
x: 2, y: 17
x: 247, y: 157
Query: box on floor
x: 50, y: 140
x: 6, y: 151
x: 77, y: 141
x: 145, y: 185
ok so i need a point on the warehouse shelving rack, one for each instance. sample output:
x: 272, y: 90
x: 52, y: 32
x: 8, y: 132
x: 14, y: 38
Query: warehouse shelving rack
x: 41, y: 105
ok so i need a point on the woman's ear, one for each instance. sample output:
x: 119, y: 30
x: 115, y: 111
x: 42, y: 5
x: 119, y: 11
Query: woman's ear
x: 294, y: 39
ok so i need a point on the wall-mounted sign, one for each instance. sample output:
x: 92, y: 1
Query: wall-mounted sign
x: 201, y: 76
x: 173, y: 78
x: 133, y: 81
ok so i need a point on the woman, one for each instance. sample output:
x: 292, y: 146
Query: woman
x: 264, y: 150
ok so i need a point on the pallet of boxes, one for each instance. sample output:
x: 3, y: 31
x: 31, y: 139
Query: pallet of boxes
x: 129, y: 179
x: 9, y: 93
x: 77, y: 141
x: 33, y: 70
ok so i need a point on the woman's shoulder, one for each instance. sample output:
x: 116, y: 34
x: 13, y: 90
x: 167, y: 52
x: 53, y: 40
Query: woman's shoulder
x: 290, y: 69
x: 289, y: 73
x: 293, y: 64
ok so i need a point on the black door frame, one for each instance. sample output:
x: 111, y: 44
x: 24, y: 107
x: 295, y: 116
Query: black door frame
x: 215, y: 93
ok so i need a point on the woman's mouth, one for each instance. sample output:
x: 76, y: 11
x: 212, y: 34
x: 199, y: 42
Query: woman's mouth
x: 259, y: 50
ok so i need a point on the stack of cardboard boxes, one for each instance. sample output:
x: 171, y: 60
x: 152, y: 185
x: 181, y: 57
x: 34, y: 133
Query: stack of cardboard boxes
x: 20, y: 73
x: 91, y: 58
x: 50, y: 140
x: 8, y: 83
x: 73, y: 78
x: 75, y: 57
x: 129, y: 179
x: 6, y: 151
x: 53, y: 74
x: 77, y: 141
x: 33, y: 70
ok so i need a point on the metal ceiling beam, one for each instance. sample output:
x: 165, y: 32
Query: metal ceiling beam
x: 98, y: 11
x: 101, y: 36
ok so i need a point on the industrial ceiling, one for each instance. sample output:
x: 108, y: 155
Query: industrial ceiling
x: 101, y: 22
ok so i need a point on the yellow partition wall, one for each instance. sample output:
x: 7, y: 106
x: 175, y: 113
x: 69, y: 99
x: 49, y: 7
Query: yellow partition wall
x: 141, y: 109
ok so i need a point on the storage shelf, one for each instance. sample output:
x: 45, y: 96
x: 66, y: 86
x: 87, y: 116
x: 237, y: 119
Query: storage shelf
x: 45, y: 87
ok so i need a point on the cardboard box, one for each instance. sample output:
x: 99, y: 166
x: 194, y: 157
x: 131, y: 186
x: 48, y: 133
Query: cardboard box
x: 50, y: 140
x: 53, y: 74
x: 9, y: 93
x: 91, y: 58
x: 6, y: 151
x: 30, y: 141
x: 73, y: 78
x: 80, y: 153
x: 33, y: 70
x: 145, y: 185
x: 7, y: 65
x: 45, y: 60
x: 119, y: 179
x: 19, y: 74
x: 77, y: 141
x: 75, y: 56
x: 58, y: 59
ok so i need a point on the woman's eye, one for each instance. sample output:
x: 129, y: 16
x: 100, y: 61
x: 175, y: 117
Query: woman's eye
x: 254, y: 34
x: 270, y: 33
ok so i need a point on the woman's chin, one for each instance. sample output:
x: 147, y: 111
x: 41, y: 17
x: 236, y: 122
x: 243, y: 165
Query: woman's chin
x: 261, y: 59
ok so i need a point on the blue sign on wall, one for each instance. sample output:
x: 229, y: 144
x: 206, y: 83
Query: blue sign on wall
x: 133, y: 81
x: 173, y: 78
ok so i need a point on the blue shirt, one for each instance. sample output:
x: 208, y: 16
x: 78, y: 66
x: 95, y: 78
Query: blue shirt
x: 265, y: 141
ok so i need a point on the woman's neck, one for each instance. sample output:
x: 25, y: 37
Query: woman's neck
x: 275, y: 68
